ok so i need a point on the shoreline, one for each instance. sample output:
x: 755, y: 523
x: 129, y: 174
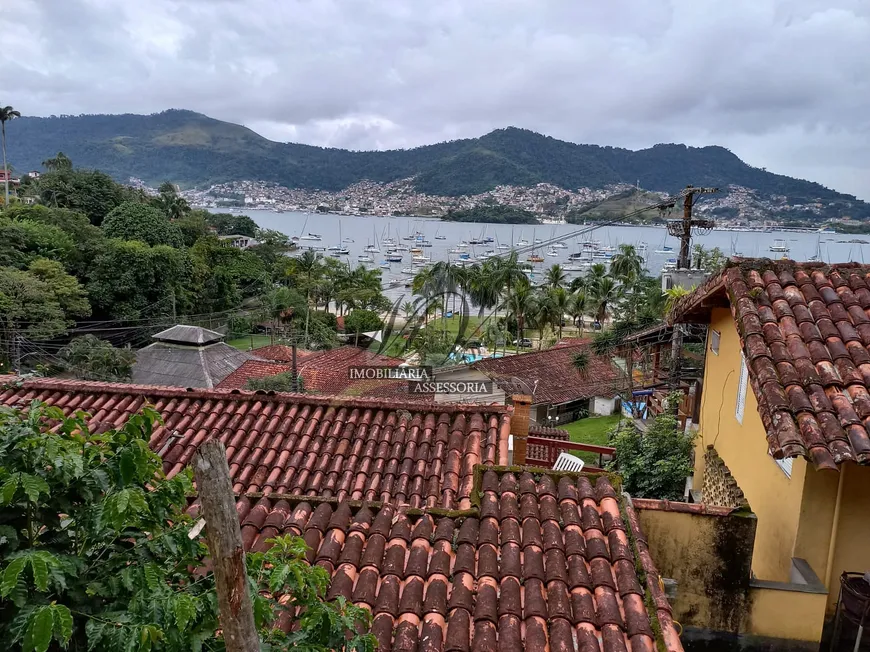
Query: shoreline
x: 430, y: 218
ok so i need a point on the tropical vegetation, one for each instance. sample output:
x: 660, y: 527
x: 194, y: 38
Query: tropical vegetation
x: 76, y: 246
x: 97, y: 551
x: 656, y: 463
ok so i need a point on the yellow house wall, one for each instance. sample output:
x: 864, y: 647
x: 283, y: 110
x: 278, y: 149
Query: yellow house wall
x: 786, y: 614
x: 852, y: 552
x: 773, y: 497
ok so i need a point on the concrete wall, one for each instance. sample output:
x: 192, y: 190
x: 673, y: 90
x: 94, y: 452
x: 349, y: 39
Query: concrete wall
x: 775, y: 498
x: 709, y: 556
x: 603, y: 406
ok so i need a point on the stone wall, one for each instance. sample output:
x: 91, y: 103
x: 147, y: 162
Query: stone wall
x: 720, y: 488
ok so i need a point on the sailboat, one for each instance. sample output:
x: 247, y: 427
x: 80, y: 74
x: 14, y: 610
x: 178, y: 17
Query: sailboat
x: 665, y: 249
x: 339, y: 249
x: 817, y: 257
x: 372, y: 247
x: 440, y: 237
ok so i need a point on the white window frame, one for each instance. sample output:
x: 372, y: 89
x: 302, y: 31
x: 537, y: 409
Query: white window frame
x: 715, y: 341
x: 740, y: 407
x: 785, y: 465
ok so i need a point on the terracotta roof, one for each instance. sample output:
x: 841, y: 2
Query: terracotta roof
x: 253, y: 369
x: 546, y: 565
x: 805, y: 332
x: 329, y: 372
x: 422, y: 454
x: 325, y: 372
x: 283, y: 353
x: 552, y: 375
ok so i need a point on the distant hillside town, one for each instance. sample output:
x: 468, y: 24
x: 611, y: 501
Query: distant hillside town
x: 734, y: 206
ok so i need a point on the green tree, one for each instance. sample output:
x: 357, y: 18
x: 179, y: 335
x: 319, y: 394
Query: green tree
x: 91, y: 358
x: 28, y: 307
x: 173, y: 205
x: 7, y: 113
x: 59, y: 161
x: 89, y: 191
x: 605, y: 294
x: 65, y: 289
x: 193, y: 226
x: 96, y: 551
x: 230, y: 224
x: 520, y: 304
x: 129, y: 280
x: 626, y: 264
x: 556, y: 277
x: 654, y: 464
x: 362, y: 321
x: 135, y: 221
x: 22, y: 240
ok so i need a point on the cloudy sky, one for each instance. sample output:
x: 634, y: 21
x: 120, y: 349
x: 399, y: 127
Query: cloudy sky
x: 785, y: 84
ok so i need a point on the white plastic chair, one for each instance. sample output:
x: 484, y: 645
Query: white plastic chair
x: 568, y: 462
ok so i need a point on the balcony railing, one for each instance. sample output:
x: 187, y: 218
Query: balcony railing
x: 543, y: 452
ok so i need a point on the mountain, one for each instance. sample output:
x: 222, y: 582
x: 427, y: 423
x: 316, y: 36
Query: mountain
x: 193, y: 149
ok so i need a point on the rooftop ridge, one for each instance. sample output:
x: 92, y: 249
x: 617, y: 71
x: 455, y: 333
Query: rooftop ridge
x: 161, y: 391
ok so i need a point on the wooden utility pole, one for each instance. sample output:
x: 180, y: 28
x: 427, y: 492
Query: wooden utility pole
x: 682, y: 229
x: 224, y: 539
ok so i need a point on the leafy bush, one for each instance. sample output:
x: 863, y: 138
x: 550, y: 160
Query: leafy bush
x: 95, y: 551
x: 94, y: 359
x: 654, y: 464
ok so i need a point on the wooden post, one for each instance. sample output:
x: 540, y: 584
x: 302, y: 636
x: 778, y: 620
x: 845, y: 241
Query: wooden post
x: 224, y: 539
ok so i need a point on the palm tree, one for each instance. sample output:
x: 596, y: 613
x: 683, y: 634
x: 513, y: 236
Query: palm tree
x: 544, y: 313
x: 483, y: 284
x: 556, y: 276
x: 595, y: 275
x: 562, y: 302
x: 520, y: 304
x: 509, y: 272
x: 59, y: 161
x: 626, y: 265
x: 673, y: 295
x: 7, y: 113
x: 581, y: 362
x: 604, y: 294
x: 577, y: 307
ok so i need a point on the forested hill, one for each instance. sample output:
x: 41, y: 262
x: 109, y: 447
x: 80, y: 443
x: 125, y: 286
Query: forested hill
x: 192, y: 149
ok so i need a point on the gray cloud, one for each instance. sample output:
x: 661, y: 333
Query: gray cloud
x: 783, y: 83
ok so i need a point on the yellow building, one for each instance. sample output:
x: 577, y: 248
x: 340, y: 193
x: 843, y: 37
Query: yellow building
x: 783, y: 426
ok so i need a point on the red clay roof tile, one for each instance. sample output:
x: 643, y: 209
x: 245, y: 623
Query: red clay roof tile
x: 805, y: 330
x: 552, y: 374
x: 299, y: 444
x: 441, y: 583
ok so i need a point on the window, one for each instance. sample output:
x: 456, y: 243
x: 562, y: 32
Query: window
x: 715, y: 336
x: 741, y: 389
x: 785, y: 465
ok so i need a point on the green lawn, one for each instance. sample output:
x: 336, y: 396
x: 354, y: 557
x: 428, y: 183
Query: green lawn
x: 244, y: 343
x: 592, y: 430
